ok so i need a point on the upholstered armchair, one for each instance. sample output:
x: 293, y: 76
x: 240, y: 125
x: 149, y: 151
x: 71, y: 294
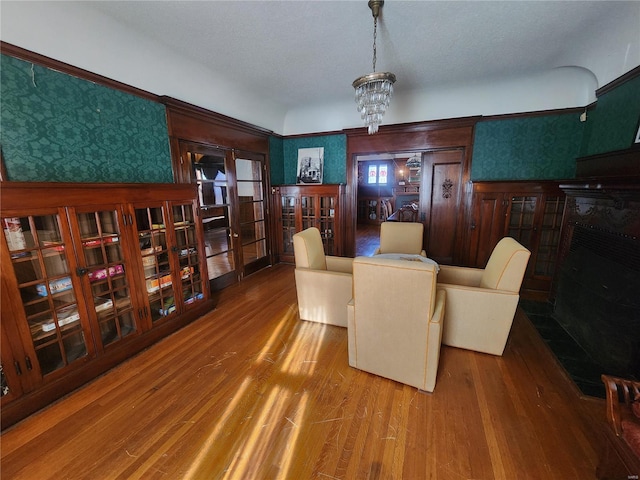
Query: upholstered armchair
x: 401, y: 237
x: 395, y: 320
x: 481, y: 303
x: 323, y: 282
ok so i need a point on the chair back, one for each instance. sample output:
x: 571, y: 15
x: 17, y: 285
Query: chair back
x: 393, y: 332
x: 506, y: 266
x: 401, y: 237
x: 308, y: 249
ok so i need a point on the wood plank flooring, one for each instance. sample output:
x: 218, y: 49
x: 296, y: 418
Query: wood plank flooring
x: 250, y: 392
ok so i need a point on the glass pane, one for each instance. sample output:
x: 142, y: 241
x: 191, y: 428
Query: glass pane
x: 382, y: 175
x: 39, y: 260
x: 4, y: 386
x: 211, y: 178
x: 372, y: 177
x: 217, y: 240
x: 105, y: 261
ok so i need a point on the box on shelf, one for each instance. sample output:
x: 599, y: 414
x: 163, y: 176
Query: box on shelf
x: 55, y: 286
x: 102, y: 273
x: 13, y: 233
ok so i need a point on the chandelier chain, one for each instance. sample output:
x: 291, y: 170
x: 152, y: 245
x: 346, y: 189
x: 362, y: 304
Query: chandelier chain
x: 375, y: 34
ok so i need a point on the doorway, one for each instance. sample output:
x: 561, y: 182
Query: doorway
x: 423, y: 186
x: 231, y: 196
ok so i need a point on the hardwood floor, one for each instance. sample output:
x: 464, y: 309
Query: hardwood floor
x: 251, y: 392
x: 367, y: 239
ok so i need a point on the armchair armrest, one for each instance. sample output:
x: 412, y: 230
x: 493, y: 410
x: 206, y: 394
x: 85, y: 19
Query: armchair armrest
x: 460, y: 275
x: 339, y: 264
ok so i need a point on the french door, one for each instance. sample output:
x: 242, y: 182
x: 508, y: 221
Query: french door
x: 232, y: 201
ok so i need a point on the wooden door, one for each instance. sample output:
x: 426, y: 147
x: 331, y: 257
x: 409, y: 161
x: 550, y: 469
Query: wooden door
x: 213, y: 170
x: 252, y: 230
x: 486, y: 228
x: 440, y: 203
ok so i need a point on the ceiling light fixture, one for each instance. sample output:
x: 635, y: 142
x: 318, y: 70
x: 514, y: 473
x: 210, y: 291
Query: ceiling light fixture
x: 374, y: 90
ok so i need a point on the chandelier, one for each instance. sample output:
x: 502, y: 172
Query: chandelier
x: 373, y: 91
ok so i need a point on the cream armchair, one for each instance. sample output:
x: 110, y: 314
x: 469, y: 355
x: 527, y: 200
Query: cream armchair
x: 395, y: 320
x: 481, y: 303
x: 323, y: 282
x: 401, y: 237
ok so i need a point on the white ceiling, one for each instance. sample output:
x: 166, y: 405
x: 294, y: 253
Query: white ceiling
x: 288, y: 66
x: 306, y: 52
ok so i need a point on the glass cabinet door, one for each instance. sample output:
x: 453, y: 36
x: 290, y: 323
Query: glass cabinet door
x: 39, y: 257
x: 103, y: 263
x: 327, y: 223
x: 288, y: 223
x: 154, y: 248
x: 191, y: 278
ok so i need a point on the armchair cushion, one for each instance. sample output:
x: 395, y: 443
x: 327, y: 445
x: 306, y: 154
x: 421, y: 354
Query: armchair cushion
x: 395, y: 320
x: 323, y: 283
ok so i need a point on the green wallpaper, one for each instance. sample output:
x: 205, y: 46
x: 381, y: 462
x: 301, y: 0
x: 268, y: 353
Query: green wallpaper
x: 335, y: 158
x: 612, y: 124
x: 527, y: 148
x: 56, y: 127
x: 276, y: 160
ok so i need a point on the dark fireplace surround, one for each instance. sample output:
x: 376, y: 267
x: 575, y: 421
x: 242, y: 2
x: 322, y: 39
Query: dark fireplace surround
x: 597, y: 291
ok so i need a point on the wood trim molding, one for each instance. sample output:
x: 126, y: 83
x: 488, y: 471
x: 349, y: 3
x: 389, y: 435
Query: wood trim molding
x: 209, y: 116
x: 618, y: 81
x: 48, y: 62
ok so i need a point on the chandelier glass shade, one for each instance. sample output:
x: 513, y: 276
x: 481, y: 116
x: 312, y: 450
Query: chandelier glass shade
x: 373, y: 93
x: 374, y: 90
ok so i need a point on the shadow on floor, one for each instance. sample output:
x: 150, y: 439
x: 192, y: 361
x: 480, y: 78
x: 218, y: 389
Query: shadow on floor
x: 582, y: 369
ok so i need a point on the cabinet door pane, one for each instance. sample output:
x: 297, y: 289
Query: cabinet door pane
x: 106, y: 267
x: 521, y: 219
x: 39, y: 259
x: 152, y: 236
x: 308, y: 207
x: 187, y: 248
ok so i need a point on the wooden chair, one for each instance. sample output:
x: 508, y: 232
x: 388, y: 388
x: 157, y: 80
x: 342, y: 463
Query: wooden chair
x: 618, y: 459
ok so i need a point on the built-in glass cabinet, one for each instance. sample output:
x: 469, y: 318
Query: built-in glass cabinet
x: 82, y: 282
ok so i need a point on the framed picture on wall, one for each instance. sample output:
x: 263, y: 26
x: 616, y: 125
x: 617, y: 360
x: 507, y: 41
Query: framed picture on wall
x: 636, y: 141
x: 310, y: 166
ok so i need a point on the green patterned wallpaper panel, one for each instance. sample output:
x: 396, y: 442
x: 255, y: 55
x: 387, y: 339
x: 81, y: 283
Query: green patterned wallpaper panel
x: 527, y: 148
x: 59, y: 128
x: 612, y: 124
x: 276, y: 160
x: 335, y: 157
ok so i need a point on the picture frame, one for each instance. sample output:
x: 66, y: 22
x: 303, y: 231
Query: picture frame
x: 636, y: 141
x: 310, y: 166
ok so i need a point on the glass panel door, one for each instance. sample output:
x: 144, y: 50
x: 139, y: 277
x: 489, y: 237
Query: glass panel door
x: 212, y: 169
x: 39, y: 259
x: 251, y: 189
x: 105, y: 267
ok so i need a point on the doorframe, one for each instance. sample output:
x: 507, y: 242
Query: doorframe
x: 421, y: 136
